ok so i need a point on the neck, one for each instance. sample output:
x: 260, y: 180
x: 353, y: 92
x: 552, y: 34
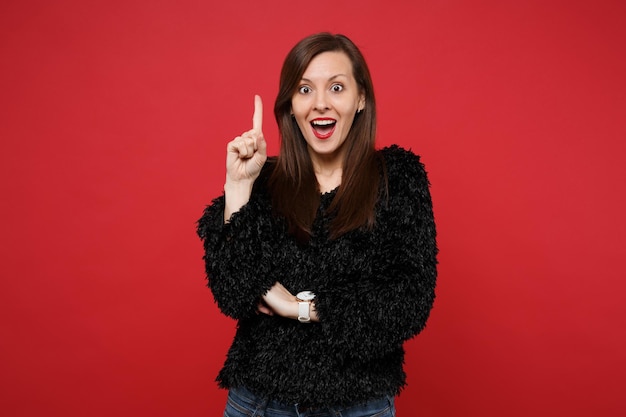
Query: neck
x: 328, y: 180
x: 328, y: 170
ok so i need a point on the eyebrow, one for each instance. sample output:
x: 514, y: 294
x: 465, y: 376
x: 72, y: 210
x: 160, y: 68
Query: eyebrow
x: 330, y: 79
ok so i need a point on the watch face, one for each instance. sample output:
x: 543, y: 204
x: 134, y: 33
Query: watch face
x: 305, y: 296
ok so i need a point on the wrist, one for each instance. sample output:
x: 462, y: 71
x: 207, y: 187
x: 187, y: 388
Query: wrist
x: 236, y: 195
x: 305, y: 306
x: 238, y: 186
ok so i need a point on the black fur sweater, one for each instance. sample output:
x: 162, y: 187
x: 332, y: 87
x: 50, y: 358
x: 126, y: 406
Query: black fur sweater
x: 374, y: 290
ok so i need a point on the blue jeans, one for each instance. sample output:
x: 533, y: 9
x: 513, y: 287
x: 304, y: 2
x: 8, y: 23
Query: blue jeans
x: 243, y: 403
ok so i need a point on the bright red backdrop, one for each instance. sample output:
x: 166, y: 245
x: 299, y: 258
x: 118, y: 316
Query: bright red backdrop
x: 113, y: 121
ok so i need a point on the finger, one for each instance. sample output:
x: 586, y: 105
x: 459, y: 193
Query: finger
x: 252, y: 138
x: 257, y: 117
x: 249, y: 145
x: 233, y: 145
x: 261, y: 145
x: 264, y: 309
x: 243, y: 147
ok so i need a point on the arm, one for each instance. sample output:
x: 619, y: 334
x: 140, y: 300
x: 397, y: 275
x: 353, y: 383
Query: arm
x: 237, y: 254
x: 279, y: 301
x: 245, y: 156
x: 390, y: 301
x: 236, y: 228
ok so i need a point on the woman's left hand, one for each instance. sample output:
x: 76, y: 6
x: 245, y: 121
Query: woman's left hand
x: 279, y: 301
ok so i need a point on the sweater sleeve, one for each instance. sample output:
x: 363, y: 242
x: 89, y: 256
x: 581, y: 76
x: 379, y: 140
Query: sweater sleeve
x: 390, y: 301
x: 237, y: 253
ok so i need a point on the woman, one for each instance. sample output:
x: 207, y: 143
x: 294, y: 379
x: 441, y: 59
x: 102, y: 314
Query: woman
x: 325, y: 255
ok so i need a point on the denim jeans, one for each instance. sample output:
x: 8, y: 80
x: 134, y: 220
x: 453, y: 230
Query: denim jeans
x: 243, y: 403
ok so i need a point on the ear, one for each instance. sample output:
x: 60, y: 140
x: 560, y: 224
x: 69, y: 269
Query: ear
x: 361, y: 103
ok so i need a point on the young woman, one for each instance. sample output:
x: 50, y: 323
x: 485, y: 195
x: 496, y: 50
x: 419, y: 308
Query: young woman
x: 326, y: 254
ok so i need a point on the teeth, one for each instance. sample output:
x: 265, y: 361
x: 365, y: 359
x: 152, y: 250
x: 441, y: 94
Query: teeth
x: 323, y: 122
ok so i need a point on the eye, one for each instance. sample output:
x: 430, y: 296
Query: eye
x: 304, y: 89
x: 336, y: 88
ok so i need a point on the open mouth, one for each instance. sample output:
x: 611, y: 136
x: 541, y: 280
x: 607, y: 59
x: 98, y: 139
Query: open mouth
x: 323, y: 128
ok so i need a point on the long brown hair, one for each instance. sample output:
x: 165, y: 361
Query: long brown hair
x: 293, y: 184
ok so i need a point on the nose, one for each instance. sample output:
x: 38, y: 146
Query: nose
x: 321, y: 101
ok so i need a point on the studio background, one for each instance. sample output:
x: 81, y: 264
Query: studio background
x: 114, y: 117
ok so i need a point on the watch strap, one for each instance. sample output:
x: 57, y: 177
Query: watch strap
x: 304, y: 311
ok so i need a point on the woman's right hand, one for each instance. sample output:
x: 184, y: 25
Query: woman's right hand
x: 245, y: 156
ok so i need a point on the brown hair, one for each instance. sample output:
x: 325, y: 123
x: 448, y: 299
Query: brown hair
x: 293, y: 184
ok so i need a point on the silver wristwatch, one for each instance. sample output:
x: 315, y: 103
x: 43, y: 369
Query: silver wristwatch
x: 304, y: 306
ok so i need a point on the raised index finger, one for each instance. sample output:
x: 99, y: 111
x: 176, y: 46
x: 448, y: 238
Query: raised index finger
x: 257, y: 118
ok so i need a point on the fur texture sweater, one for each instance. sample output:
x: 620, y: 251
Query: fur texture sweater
x: 374, y: 290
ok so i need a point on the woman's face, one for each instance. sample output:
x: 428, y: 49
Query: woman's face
x: 325, y: 103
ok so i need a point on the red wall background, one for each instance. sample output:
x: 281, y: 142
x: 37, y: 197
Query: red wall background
x: 114, y: 117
